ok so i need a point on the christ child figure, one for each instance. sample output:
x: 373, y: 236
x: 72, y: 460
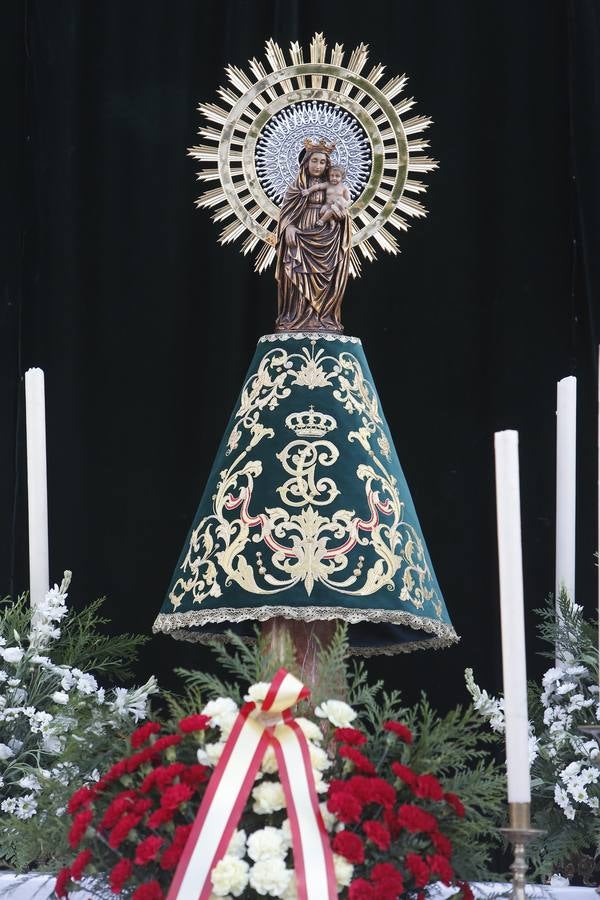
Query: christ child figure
x: 337, y: 196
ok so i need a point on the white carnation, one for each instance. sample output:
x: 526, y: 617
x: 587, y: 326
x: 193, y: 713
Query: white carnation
x: 286, y: 834
x: 213, y: 752
x: 329, y: 820
x: 318, y: 758
x: 343, y: 870
x: 220, y: 710
x: 268, y: 797
x: 338, y: 713
x: 229, y: 876
x: 310, y: 730
x: 87, y: 684
x: 266, y: 843
x: 237, y: 844
x: 269, y: 763
x: 257, y: 692
x: 30, y: 783
x: 291, y: 891
x: 270, y: 876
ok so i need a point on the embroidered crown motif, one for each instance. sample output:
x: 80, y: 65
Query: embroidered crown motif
x: 310, y: 423
x: 310, y: 145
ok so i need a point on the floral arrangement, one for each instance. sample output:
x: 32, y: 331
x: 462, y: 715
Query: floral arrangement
x: 394, y: 825
x: 564, y: 760
x: 57, y: 725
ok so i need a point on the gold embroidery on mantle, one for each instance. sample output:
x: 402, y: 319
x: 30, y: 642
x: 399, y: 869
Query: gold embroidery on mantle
x: 305, y: 547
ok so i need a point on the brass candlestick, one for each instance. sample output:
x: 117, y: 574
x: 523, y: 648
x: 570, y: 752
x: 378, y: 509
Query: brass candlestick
x: 519, y: 833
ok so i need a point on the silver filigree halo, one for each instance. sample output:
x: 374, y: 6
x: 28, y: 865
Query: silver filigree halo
x: 281, y: 143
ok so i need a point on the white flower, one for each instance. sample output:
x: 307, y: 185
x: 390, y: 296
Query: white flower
x: 268, y: 797
x: 26, y: 807
x: 566, y: 687
x: 561, y: 798
x: 577, y: 670
x: 15, y: 745
x: 9, y: 805
x: 134, y: 703
x: 227, y: 723
x: 257, y: 692
x: 320, y: 786
x: 310, y: 730
x: 87, y: 684
x: 40, y: 721
x: 329, y: 820
x: 211, y: 754
x: 3, y: 675
x: 52, y: 743
x: 18, y: 696
x: 270, y: 876
x: 220, y: 710
x: 338, y: 713
x: 291, y: 891
x: 569, y: 811
x: 13, y: 682
x: 237, y: 844
x: 269, y: 763
x: 1, y: 781
x: 343, y: 870
x: 30, y: 783
x: 60, y: 697
x: 551, y: 676
x: 5, y: 752
x: 286, y: 834
x: 266, y: 843
x: 12, y: 654
x: 68, y: 680
x: 229, y: 876
x: 318, y: 758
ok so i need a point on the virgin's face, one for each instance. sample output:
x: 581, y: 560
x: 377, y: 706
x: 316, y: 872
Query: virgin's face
x: 317, y: 164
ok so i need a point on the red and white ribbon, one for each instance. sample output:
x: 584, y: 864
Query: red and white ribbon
x: 258, y: 726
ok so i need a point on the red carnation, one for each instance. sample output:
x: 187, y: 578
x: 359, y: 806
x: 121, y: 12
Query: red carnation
x: 351, y: 736
x: 141, y: 734
x: 439, y: 865
x: 169, y: 740
x: 81, y: 797
x: 141, y: 806
x: 350, y: 846
x: 119, y: 875
x: 388, y: 880
x: 361, y: 890
x: 453, y: 801
x: 166, y: 775
x: 377, y: 833
x: 359, y: 759
x: 345, y: 806
x: 415, y: 819
x: 171, y: 856
x: 400, y: 730
x: 418, y: 868
x: 466, y: 890
x: 195, y: 775
x: 122, y: 803
x: 122, y: 829
x: 138, y: 759
x: 175, y: 795
x: 428, y: 787
x: 79, y: 827
x: 148, y: 849
x: 441, y: 844
x: 115, y: 772
x: 62, y: 880
x: 159, y: 817
x: 405, y: 774
x: 372, y: 790
x: 149, y: 890
x: 81, y: 861
x: 194, y: 723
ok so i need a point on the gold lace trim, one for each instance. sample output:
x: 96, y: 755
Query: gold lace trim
x: 180, y: 625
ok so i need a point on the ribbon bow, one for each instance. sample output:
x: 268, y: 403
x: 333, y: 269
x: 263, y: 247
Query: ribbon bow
x: 258, y: 726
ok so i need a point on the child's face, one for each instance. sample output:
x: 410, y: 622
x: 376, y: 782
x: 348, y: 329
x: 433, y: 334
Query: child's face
x: 335, y: 176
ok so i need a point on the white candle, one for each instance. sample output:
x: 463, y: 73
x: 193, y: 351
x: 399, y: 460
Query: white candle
x: 508, y: 508
x: 566, y: 469
x: 37, y: 490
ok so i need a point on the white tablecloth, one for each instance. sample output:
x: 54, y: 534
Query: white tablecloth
x: 40, y: 887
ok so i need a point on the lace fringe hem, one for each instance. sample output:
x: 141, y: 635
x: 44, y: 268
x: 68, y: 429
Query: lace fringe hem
x: 181, y: 625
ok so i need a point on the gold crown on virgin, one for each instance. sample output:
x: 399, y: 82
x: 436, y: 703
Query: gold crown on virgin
x: 310, y: 145
x: 310, y: 423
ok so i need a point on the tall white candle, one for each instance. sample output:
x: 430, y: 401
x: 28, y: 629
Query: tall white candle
x: 514, y: 670
x: 37, y: 490
x: 566, y: 471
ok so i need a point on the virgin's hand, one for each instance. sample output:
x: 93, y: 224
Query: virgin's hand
x: 290, y: 235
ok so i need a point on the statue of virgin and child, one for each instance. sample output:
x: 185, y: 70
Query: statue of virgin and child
x: 313, y: 244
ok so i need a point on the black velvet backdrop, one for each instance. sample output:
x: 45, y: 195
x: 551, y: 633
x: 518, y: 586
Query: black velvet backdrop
x: 144, y: 326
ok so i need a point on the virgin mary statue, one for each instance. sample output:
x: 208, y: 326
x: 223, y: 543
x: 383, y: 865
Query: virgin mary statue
x: 312, y: 259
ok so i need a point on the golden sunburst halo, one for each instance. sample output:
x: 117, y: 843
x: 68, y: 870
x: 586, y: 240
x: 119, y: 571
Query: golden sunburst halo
x: 253, y: 140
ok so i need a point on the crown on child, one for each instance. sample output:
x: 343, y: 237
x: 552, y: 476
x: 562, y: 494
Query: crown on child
x: 322, y: 145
